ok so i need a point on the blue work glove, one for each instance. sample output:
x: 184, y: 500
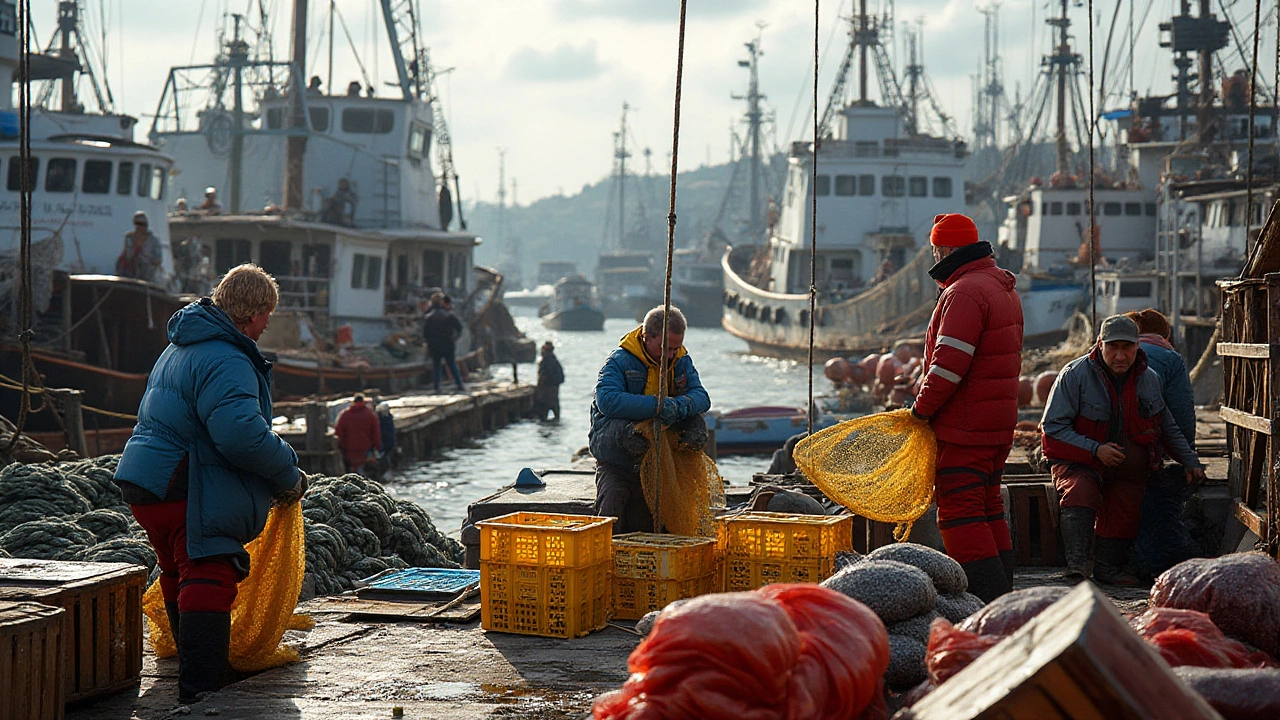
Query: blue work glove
x: 670, y: 412
x: 686, y: 407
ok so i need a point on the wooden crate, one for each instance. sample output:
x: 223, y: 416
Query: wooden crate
x: 103, y: 623
x: 1077, y: 660
x: 31, y: 649
x: 1034, y: 513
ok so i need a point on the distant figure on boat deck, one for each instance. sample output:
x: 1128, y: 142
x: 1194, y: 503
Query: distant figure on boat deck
x: 626, y: 393
x: 546, y: 395
x: 340, y: 207
x: 359, y: 434
x: 441, y: 329
x: 210, y: 206
x: 141, y: 257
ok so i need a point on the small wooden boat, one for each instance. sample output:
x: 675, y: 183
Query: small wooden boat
x: 759, y: 430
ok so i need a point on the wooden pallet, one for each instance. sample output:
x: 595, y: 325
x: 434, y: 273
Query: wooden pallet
x: 102, y: 623
x: 31, y: 649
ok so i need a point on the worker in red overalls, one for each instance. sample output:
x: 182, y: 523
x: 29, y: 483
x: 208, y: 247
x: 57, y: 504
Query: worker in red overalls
x: 359, y: 434
x: 969, y: 395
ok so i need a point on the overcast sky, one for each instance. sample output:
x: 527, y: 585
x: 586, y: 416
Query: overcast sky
x: 546, y: 79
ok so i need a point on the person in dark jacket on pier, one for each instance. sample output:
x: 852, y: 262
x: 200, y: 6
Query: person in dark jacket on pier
x: 387, y: 424
x: 626, y: 393
x: 440, y: 329
x: 203, y: 466
x: 546, y: 394
x: 359, y: 434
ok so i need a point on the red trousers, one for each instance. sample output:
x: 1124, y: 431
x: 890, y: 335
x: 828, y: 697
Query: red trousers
x: 1117, y: 499
x: 970, y: 511
x: 204, y: 585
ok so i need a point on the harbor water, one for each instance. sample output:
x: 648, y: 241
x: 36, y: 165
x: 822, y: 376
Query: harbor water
x: 445, y: 485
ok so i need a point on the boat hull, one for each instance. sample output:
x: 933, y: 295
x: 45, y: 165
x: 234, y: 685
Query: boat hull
x: 748, y: 432
x: 777, y: 324
x: 579, y: 319
x: 701, y: 303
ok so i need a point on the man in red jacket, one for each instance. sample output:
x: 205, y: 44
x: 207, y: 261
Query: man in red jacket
x: 359, y: 433
x: 969, y: 395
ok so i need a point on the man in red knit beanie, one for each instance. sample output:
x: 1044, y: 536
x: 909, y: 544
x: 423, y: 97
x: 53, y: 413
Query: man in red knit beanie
x: 969, y: 395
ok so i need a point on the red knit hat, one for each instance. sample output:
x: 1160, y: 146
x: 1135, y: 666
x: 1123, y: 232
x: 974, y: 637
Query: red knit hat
x: 953, y: 230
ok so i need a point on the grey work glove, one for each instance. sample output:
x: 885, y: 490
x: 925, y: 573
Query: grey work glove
x: 286, y: 498
x: 670, y: 413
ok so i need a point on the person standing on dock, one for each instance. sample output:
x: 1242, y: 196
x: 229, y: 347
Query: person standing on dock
x: 626, y: 393
x: 359, y: 434
x: 204, y: 432
x: 141, y: 257
x: 440, y: 329
x: 969, y: 396
x: 1106, y: 429
x: 546, y: 394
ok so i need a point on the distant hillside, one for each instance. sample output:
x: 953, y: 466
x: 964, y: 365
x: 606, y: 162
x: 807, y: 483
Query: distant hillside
x: 572, y: 227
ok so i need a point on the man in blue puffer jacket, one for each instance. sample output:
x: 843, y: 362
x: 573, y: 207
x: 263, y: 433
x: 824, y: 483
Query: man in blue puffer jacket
x: 626, y: 392
x: 203, y: 466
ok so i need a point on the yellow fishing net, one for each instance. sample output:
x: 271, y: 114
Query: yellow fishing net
x: 879, y: 466
x: 265, y: 600
x: 682, y: 486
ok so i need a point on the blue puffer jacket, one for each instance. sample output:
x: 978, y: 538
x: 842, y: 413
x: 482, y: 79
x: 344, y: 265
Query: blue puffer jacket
x: 1178, y: 394
x: 209, y: 397
x: 620, y: 401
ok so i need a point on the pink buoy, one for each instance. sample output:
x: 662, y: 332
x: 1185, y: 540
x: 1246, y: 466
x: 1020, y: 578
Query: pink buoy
x: 1026, y: 391
x: 836, y: 370
x: 1044, y: 383
x: 888, y: 369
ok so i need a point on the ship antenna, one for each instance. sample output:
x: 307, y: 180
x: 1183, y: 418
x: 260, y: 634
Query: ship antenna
x: 813, y: 223
x: 1094, y: 241
x: 666, y: 287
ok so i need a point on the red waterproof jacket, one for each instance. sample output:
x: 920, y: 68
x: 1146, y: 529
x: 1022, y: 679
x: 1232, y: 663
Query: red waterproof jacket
x: 358, y: 431
x: 973, y: 356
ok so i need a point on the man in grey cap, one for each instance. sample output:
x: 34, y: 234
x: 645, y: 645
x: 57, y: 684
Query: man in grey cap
x: 1105, y: 432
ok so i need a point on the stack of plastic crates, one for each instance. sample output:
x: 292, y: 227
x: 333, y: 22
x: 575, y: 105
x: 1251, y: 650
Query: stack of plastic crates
x: 760, y: 548
x: 545, y: 574
x: 650, y: 571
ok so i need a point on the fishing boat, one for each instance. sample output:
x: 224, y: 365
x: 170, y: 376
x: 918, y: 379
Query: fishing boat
x: 881, y: 178
x: 549, y: 273
x: 573, y: 306
x: 627, y: 275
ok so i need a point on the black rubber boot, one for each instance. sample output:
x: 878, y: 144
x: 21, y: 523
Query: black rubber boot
x: 203, y: 646
x: 1077, y: 541
x: 986, y: 578
x: 175, y: 619
x: 1009, y: 559
x: 1112, y: 556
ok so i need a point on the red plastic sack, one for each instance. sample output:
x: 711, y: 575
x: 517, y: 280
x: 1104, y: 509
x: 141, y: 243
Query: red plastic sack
x: 1189, y: 637
x: 785, y: 652
x: 1239, y: 592
x: 952, y: 649
x: 1004, y: 615
x: 1236, y: 694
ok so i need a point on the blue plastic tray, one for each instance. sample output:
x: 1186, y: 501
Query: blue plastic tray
x: 435, y: 581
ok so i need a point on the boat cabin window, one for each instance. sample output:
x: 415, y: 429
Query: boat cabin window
x: 230, y: 252
x: 15, y: 172
x: 1074, y: 208
x: 1111, y: 209
x: 124, y: 178
x: 845, y: 185
x: 918, y: 187
x: 893, y: 186
x: 942, y: 187
x: 366, y: 272
x: 822, y: 185
x: 273, y: 256
x: 144, y: 179
x: 419, y: 140
x: 1133, y: 209
x: 367, y: 121
x: 97, y: 177
x: 155, y: 189
x: 432, y: 268
x: 319, y: 119
x: 1055, y: 208
x: 1149, y: 209
x: 315, y: 260
x: 1135, y: 288
x: 866, y: 185
x: 61, y: 175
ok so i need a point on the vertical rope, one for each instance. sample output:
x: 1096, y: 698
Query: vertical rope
x: 1093, y: 239
x: 666, y: 285
x: 24, y: 251
x: 813, y: 221
x: 1253, y: 106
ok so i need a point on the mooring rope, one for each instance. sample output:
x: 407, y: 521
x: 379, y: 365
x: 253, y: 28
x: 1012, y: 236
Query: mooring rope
x: 24, y: 251
x: 666, y: 286
x: 1094, y: 239
x: 813, y: 223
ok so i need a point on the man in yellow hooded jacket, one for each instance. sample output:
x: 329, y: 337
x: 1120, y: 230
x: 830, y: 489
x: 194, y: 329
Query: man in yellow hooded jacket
x: 626, y: 393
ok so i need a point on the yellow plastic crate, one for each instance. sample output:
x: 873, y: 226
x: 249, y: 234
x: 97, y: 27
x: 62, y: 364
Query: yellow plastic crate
x: 782, y: 537
x: 529, y: 538
x: 542, y: 600
x: 633, y: 597
x: 748, y: 574
x: 646, y: 556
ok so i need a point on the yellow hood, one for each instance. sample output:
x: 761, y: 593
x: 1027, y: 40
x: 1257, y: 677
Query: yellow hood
x: 632, y: 343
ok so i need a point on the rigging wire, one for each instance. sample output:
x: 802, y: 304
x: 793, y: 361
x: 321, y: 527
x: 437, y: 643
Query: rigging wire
x: 813, y: 221
x: 24, y: 247
x: 1093, y: 239
x: 1253, y: 106
x: 666, y: 286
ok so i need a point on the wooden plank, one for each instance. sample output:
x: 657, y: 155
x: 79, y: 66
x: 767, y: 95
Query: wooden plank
x: 1250, y: 519
x: 1249, y: 421
x: 1244, y: 350
x: 1272, y: 510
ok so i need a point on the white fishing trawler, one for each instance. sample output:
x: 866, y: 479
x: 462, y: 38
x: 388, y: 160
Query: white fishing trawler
x: 881, y: 179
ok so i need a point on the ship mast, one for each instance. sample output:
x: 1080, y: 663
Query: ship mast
x: 296, y: 147
x: 754, y: 121
x: 1203, y: 35
x: 620, y: 154
x: 237, y: 58
x: 1062, y: 64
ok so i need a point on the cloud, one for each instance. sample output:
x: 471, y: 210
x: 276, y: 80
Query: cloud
x: 652, y: 10
x: 566, y: 63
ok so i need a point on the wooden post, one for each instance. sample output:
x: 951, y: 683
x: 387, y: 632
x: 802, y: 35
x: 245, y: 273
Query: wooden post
x: 317, y: 415
x: 1272, y: 405
x: 67, y: 320
x: 72, y: 418
x: 515, y: 373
